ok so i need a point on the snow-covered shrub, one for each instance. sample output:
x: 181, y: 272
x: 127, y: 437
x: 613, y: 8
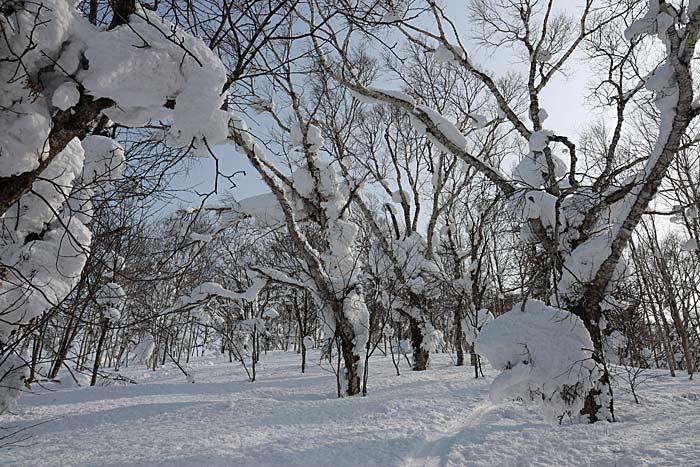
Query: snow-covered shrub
x: 111, y: 298
x: 543, y: 354
x: 13, y: 374
x: 144, y: 349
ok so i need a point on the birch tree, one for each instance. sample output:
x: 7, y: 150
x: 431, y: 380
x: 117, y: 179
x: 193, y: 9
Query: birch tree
x: 581, y: 220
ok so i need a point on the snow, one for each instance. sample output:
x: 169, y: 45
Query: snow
x: 445, y: 54
x: 261, y: 105
x: 26, y: 120
x: 45, y: 269
x: 646, y: 24
x: 207, y: 290
x: 439, y: 417
x: 143, y: 351
x: 398, y: 95
x: 690, y: 244
x: 270, y: 313
x: 446, y: 127
x: 13, y: 373
x: 65, y: 96
x: 544, y: 354
x: 50, y: 192
x: 532, y: 170
x: 110, y: 295
x: 146, y: 77
x: 135, y: 65
x: 539, y: 139
x: 266, y: 210
x: 398, y: 195
x: 538, y: 204
x: 474, y: 322
x: 582, y: 264
x: 480, y: 121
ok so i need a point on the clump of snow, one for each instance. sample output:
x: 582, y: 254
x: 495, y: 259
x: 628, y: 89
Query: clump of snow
x: 444, y: 54
x: 208, y: 290
x: 111, y: 298
x: 261, y: 105
x: 646, y: 24
x: 46, y: 268
x: 314, y: 137
x: 582, y: 264
x: 690, y: 245
x: 111, y: 295
x: 433, y: 339
x: 544, y: 354
x: 539, y: 140
x: 405, y: 346
x: 270, y: 313
x: 183, y: 70
x: 26, y: 118
x: 474, y: 322
x: 263, y: 208
x: 536, y: 204
x: 14, y: 372
x: 446, y: 127
x: 308, y: 342
x: 198, y: 237
x: 480, y: 121
x: 303, y: 182
x: 394, y: 12
x: 143, y: 351
x: 532, y: 170
x: 65, y: 96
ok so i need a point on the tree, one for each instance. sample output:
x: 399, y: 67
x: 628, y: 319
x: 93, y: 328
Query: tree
x: 582, y: 221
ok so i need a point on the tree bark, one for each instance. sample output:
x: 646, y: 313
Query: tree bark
x: 98, y: 353
x: 420, y: 355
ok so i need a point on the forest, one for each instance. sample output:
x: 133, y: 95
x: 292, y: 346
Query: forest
x: 349, y: 232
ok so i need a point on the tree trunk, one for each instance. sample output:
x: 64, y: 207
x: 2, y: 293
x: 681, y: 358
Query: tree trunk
x: 420, y: 355
x: 599, y: 400
x: 98, y: 352
x: 351, y: 361
x: 458, y: 334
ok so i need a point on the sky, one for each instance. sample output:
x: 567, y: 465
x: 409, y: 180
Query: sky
x: 563, y: 99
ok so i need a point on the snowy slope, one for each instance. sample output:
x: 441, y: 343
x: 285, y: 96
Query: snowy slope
x: 437, y: 418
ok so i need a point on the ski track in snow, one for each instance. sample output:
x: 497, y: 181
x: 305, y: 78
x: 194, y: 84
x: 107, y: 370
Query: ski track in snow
x: 440, y: 417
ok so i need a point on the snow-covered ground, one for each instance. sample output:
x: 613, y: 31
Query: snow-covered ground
x: 439, y: 417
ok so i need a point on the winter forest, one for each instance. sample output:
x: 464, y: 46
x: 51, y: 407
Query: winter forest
x: 349, y: 233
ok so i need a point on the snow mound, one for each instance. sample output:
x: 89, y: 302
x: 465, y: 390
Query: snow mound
x: 544, y: 354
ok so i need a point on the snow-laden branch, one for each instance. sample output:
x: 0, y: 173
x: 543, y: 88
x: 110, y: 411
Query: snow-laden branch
x: 672, y: 85
x: 425, y: 120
